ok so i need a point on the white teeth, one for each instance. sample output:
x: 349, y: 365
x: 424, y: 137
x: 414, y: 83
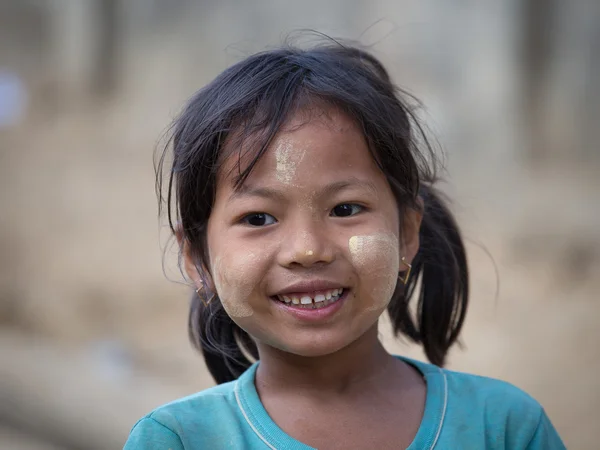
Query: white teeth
x: 332, y: 294
x: 306, y: 300
x: 319, y: 298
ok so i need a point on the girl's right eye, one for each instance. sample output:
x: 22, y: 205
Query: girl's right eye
x: 259, y: 219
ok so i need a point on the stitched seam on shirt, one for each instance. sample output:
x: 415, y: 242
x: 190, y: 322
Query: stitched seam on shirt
x: 166, y: 428
x: 439, y: 430
x: 237, y: 399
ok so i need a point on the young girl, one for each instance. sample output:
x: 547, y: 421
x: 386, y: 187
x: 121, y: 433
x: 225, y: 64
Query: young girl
x: 304, y: 209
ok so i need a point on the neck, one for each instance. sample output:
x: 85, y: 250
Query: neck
x: 363, y: 361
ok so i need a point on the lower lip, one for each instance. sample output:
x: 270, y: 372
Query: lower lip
x: 313, y: 315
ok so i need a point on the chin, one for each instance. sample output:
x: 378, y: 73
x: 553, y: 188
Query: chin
x: 314, y: 346
x: 314, y: 351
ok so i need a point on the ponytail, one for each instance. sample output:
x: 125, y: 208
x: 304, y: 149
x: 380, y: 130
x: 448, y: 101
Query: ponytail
x: 224, y: 345
x: 441, y: 267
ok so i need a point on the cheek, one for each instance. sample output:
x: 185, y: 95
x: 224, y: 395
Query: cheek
x: 236, y: 278
x: 376, y: 260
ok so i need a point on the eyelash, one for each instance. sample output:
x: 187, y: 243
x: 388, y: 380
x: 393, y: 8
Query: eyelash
x: 245, y: 220
x: 360, y: 208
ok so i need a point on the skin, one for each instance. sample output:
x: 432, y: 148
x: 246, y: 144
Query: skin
x: 311, y: 372
x: 377, y: 255
x: 287, y: 157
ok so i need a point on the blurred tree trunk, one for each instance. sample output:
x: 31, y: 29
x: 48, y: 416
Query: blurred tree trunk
x: 591, y: 123
x: 560, y: 69
x: 106, y: 64
x: 538, y: 20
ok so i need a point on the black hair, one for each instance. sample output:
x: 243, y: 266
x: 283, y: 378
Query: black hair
x: 253, y: 99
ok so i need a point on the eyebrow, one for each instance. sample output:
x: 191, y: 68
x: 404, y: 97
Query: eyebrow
x: 246, y: 190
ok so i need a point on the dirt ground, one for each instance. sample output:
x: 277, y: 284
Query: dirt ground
x: 93, y: 335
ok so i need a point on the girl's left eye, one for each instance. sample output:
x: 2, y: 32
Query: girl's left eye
x: 259, y: 219
x: 346, y: 210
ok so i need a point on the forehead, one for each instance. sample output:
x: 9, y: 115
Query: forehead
x: 312, y: 142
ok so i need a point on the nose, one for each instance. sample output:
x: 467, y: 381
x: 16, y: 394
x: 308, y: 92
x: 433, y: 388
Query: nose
x: 308, y: 245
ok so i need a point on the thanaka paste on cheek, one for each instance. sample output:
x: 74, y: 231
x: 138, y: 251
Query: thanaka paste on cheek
x: 376, y: 259
x: 235, y: 283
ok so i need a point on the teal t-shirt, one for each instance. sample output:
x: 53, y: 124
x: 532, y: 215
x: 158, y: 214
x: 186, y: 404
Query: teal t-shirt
x: 461, y: 412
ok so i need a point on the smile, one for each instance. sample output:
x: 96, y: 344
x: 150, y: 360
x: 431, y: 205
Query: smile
x: 312, y: 300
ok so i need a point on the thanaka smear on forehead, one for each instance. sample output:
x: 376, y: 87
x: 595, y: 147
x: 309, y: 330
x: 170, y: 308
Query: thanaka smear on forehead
x: 288, y: 157
x: 248, y: 141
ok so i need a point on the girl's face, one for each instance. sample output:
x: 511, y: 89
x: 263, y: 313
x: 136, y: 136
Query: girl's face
x: 305, y: 256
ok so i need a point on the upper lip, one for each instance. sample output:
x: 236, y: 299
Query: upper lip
x: 309, y: 286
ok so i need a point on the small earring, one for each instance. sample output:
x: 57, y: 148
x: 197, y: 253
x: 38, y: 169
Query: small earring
x: 205, y: 303
x: 404, y: 277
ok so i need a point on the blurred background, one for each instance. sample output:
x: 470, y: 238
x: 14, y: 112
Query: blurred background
x: 93, y: 334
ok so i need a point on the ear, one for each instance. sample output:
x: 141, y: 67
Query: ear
x: 410, y: 231
x: 200, y: 277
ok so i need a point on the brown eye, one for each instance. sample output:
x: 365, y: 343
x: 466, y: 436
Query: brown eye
x: 346, y: 210
x: 259, y: 219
